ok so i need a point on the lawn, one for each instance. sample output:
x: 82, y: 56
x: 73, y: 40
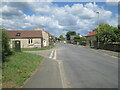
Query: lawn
x: 19, y: 68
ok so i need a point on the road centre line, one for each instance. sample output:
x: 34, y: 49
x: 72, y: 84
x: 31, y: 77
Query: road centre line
x: 110, y: 56
x: 54, y: 55
x: 51, y: 54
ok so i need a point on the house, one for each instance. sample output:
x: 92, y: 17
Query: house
x: 72, y: 37
x: 80, y: 35
x: 45, y: 36
x: 29, y: 39
x: 91, y: 35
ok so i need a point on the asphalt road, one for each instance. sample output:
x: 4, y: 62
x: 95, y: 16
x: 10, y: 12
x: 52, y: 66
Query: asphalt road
x: 71, y: 66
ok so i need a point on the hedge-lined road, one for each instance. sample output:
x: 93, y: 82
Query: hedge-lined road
x: 71, y: 66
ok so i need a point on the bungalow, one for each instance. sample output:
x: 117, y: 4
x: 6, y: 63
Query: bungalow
x: 29, y: 39
x: 91, y: 35
x: 72, y: 36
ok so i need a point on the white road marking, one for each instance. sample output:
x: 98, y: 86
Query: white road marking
x: 106, y: 54
x: 64, y: 81
x: 54, y: 55
x: 62, y: 76
x: 110, y: 56
x: 114, y: 56
x: 51, y: 54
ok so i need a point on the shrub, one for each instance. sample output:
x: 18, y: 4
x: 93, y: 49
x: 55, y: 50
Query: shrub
x: 77, y: 38
x: 5, y: 45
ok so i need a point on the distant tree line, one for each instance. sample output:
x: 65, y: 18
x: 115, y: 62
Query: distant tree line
x: 105, y: 33
x: 61, y: 38
x: 70, y: 33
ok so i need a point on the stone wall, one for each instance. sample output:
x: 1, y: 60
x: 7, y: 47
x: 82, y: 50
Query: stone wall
x: 108, y: 46
x: 25, y: 42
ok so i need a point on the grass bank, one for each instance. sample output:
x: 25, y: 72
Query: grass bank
x: 18, y: 68
x: 37, y: 49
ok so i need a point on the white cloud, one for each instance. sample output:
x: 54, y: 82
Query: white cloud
x: 54, y: 19
x: 112, y: 2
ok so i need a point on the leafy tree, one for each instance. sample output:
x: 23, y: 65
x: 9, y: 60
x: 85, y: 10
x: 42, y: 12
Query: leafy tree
x: 106, y: 33
x: 82, y: 39
x: 69, y: 33
x: 117, y: 33
x: 77, y: 38
x: 0, y: 45
x: 56, y: 38
x: 61, y: 37
x: 119, y: 27
x: 5, y: 45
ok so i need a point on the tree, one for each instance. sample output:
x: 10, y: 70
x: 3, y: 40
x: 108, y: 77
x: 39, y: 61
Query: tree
x: 5, y: 45
x: 56, y: 38
x: 61, y: 37
x: 106, y: 33
x: 117, y: 32
x: 77, y: 38
x: 82, y: 39
x: 69, y: 33
x: 119, y: 27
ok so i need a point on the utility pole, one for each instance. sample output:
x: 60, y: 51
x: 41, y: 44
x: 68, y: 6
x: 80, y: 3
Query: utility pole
x: 98, y: 30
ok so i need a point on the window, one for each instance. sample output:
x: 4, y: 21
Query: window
x: 18, y: 34
x: 30, y: 41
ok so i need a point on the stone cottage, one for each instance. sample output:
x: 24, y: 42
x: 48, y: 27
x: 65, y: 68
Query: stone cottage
x: 36, y: 38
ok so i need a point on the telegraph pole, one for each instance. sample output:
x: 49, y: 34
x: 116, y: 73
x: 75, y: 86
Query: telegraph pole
x: 98, y: 30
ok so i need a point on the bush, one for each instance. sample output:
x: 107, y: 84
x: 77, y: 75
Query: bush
x: 5, y: 45
x: 83, y: 43
x: 77, y: 38
x: 82, y: 39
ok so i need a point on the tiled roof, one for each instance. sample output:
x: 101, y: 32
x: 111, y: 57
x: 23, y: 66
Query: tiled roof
x: 92, y: 33
x: 24, y: 34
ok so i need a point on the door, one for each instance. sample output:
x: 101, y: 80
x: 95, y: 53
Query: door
x: 44, y: 43
x: 17, y: 46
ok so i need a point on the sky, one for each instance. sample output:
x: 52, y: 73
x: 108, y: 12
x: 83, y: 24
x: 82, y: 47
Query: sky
x: 58, y: 17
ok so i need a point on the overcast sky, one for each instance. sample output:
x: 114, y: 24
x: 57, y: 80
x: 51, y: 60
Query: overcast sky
x: 58, y: 17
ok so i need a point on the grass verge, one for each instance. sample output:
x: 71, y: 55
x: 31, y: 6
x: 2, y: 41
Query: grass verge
x: 18, y: 68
